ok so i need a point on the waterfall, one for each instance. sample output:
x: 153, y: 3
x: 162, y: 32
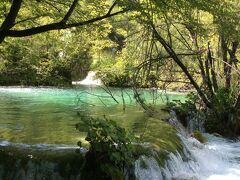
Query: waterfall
x: 89, y: 80
x: 218, y: 159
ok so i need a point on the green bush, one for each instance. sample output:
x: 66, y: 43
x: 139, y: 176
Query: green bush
x: 185, y: 109
x: 111, y: 151
x: 221, y: 118
x: 23, y: 73
x: 115, y: 79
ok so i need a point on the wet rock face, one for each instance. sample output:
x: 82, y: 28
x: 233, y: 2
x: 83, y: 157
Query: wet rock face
x: 34, y: 171
x: 21, y: 165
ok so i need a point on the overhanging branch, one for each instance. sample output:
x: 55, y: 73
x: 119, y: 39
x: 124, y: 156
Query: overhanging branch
x: 111, y: 8
x: 6, y: 31
x: 56, y: 26
x: 12, y: 15
x: 174, y: 56
x: 9, y: 21
x: 70, y: 11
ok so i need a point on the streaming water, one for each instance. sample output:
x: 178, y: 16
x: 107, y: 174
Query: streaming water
x: 218, y: 159
x: 91, y: 79
x: 37, y: 127
x: 44, y: 119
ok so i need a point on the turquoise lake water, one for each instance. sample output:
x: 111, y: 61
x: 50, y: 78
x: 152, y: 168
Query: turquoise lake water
x: 48, y: 115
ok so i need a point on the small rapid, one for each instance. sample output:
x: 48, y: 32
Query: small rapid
x: 90, y: 79
x: 218, y: 159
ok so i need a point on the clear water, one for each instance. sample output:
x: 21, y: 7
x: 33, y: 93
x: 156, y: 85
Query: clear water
x: 49, y: 115
x: 43, y: 117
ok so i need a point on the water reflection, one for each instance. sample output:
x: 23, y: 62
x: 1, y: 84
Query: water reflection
x: 49, y: 115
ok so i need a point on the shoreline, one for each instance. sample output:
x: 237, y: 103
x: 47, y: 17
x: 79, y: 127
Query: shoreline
x: 168, y: 91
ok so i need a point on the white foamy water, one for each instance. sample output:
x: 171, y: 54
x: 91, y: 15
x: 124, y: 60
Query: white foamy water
x: 219, y: 159
x: 89, y: 80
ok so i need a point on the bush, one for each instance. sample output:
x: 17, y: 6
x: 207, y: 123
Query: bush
x: 186, y: 109
x: 115, y: 79
x: 111, y: 152
x: 221, y: 118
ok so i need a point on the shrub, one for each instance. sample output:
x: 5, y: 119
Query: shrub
x: 185, y: 109
x: 110, y: 152
x: 221, y: 119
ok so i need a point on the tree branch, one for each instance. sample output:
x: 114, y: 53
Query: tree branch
x: 56, y: 26
x: 52, y: 5
x: 31, y: 18
x: 181, y: 65
x: 70, y: 11
x: 211, y: 60
x: 10, y: 19
x: 111, y: 8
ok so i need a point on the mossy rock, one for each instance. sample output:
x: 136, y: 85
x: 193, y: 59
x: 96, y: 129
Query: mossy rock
x: 163, y: 139
x: 199, y: 136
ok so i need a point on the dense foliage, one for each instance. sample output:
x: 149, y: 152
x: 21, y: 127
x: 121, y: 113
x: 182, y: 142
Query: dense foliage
x: 111, y: 150
x: 173, y: 44
x: 52, y: 59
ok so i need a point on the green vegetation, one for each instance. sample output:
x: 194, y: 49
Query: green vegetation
x: 50, y: 60
x: 185, y: 109
x: 176, y: 45
x: 224, y: 118
x: 198, y: 135
x: 163, y: 140
x: 111, y: 150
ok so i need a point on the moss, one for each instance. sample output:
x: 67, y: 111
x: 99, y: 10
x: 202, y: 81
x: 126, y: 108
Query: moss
x: 198, y: 135
x: 162, y: 137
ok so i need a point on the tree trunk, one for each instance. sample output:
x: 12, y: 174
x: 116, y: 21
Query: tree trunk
x: 10, y: 19
x: 174, y: 56
x: 226, y: 65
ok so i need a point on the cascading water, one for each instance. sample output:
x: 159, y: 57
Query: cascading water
x: 218, y: 159
x: 37, y: 127
x: 47, y: 115
x: 89, y: 80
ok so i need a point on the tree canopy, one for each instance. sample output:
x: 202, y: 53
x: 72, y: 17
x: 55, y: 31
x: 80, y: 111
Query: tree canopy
x: 137, y: 43
x: 27, y: 18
